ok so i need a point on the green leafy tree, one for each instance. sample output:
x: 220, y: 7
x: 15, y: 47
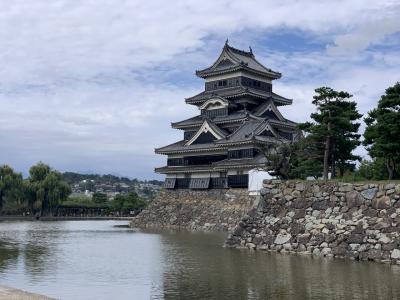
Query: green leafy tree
x: 10, y: 185
x: 126, y: 203
x: 372, y: 169
x: 47, y: 187
x: 306, y: 161
x: 346, y: 137
x: 333, y: 130
x: 297, y: 160
x: 99, y: 197
x: 382, y: 134
x: 279, y: 160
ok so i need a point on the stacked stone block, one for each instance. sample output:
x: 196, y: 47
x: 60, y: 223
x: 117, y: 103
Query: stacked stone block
x: 359, y: 221
x: 205, y: 210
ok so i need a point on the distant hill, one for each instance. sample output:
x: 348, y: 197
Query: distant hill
x: 74, y: 178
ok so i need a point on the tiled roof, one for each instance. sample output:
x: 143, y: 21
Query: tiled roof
x: 243, y: 133
x: 180, y: 147
x: 232, y: 59
x: 249, y: 131
x: 233, y: 92
x: 198, y: 120
x: 257, y: 160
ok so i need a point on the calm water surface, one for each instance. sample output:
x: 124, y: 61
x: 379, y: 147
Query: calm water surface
x: 96, y: 260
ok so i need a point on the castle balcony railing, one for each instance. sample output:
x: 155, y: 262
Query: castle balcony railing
x: 232, y: 181
x: 195, y: 160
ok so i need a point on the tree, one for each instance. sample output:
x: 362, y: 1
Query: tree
x: 46, y: 187
x: 334, y: 130
x: 99, y: 197
x: 10, y: 185
x: 372, y: 170
x: 278, y: 160
x: 127, y: 203
x: 306, y: 161
x: 382, y: 134
x: 294, y: 160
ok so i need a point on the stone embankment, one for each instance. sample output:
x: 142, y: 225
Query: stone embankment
x: 356, y: 221
x: 207, y: 210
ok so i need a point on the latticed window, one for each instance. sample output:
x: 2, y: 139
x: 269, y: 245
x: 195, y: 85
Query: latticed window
x: 242, y: 153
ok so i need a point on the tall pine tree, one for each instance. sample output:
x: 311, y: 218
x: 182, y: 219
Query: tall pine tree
x: 333, y: 130
x: 382, y: 135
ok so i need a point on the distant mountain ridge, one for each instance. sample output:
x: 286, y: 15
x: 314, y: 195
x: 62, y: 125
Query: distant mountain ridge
x: 74, y: 178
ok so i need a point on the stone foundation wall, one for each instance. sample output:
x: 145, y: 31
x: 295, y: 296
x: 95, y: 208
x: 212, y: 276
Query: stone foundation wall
x: 357, y: 221
x: 218, y: 209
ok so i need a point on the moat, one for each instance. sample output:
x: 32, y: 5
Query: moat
x: 100, y: 260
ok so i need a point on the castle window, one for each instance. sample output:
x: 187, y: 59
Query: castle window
x: 222, y: 83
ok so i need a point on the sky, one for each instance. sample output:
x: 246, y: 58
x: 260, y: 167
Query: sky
x: 92, y: 86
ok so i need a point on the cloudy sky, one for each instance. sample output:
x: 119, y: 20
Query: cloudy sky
x: 92, y: 85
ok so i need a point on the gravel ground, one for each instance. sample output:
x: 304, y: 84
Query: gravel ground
x: 7, y: 293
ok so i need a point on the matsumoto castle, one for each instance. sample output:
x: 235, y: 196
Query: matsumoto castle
x: 238, y: 118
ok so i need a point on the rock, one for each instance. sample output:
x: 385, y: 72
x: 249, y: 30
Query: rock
x: 319, y: 226
x: 329, y: 238
x: 389, y: 247
x: 287, y: 247
x: 291, y: 214
x: 299, y: 213
x: 354, y: 199
x: 381, y: 203
x: 328, y: 211
x: 345, y: 188
x: 326, y: 251
x: 381, y: 225
x: 257, y: 239
x: 389, y: 186
x: 251, y: 246
x: 238, y: 230
x: 302, y: 248
x: 325, y: 230
x: 320, y: 205
x: 303, y: 238
x: 316, y: 251
x: 268, y: 240
x: 354, y: 247
x: 369, y: 194
x: 282, y: 239
x: 355, y: 238
x: 300, y: 186
x: 339, y: 251
x: 316, y: 213
x: 370, y: 212
x: 297, y: 228
x: 395, y: 254
x: 265, y: 191
x: 317, y: 239
x: 384, y: 239
x: 374, y: 254
x: 389, y: 192
x: 301, y: 203
x: 309, y: 226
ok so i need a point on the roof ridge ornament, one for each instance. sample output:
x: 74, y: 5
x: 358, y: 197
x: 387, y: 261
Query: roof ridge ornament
x: 226, y: 43
x: 251, y: 50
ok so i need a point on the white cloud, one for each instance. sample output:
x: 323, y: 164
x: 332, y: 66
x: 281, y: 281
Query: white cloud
x: 93, y: 85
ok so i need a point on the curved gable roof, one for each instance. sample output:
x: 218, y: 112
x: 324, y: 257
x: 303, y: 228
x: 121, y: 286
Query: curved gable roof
x: 210, y: 127
x: 232, y: 59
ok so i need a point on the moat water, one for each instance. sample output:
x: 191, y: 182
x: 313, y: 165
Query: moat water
x: 97, y: 260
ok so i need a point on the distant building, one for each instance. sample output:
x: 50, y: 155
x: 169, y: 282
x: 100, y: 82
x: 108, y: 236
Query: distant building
x: 238, y: 118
